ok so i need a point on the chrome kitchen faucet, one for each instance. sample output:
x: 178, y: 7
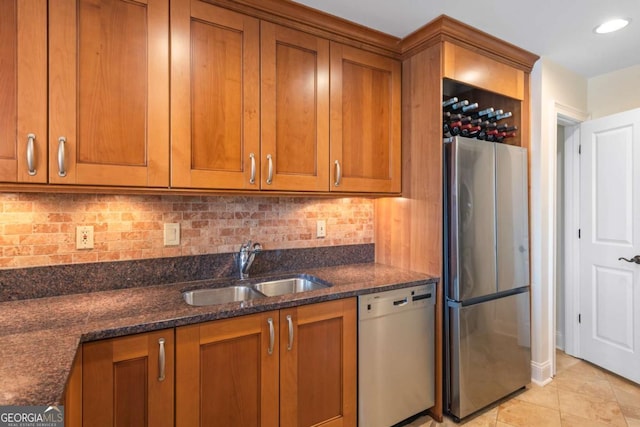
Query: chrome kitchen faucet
x: 245, y: 257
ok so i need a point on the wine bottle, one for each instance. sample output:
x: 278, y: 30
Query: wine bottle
x: 482, y: 113
x: 449, y: 102
x: 469, y: 130
x: 487, y: 125
x: 505, y: 135
x: 455, y: 128
x: 454, y: 117
x: 506, y: 128
x: 470, y: 107
x: 457, y: 106
x: 503, y: 116
x: 493, y: 114
x: 445, y: 129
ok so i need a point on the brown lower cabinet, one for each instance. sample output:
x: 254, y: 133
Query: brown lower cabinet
x: 292, y: 367
x: 289, y: 367
x: 126, y: 381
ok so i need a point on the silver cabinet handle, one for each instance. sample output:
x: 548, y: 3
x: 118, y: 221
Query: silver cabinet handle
x: 290, y: 323
x: 338, y: 174
x: 272, y: 337
x: 61, y: 170
x: 31, y: 155
x: 270, y: 175
x: 252, y: 179
x: 161, y: 360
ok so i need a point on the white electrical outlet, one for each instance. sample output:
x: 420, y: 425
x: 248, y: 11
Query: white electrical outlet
x: 171, y: 234
x: 321, y: 228
x: 84, y: 237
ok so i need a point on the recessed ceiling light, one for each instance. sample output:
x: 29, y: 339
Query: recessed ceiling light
x: 611, y: 26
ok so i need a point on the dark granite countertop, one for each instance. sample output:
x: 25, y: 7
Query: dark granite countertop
x: 39, y: 337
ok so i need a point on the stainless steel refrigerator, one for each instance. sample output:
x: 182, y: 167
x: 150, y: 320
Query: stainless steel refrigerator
x: 487, y: 338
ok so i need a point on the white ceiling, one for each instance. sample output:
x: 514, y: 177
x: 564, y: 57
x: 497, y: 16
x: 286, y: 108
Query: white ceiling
x: 561, y: 30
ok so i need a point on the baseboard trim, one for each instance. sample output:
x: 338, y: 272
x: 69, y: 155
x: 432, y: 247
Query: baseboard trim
x: 541, y: 373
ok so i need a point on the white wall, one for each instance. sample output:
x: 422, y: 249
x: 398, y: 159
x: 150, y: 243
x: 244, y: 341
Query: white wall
x: 614, y: 92
x: 553, y: 87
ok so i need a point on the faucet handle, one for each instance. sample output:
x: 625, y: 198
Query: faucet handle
x: 257, y: 247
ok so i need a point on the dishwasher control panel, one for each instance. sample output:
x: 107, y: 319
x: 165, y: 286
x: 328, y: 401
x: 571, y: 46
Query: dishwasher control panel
x: 388, y: 302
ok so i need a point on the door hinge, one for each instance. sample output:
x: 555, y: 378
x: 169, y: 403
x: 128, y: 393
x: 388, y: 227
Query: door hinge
x: 579, y: 318
x: 580, y: 149
x: 579, y: 233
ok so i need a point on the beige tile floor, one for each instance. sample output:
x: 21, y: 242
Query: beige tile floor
x: 580, y: 395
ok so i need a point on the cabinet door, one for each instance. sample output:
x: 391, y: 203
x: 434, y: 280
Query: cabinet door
x: 294, y: 110
x: 23, y: 91
x: 129, y: 381
x: 318, y: 364
x: 365, y: 121
x: 227, y: 372
x: 109, y: 92
x: 215, y: 97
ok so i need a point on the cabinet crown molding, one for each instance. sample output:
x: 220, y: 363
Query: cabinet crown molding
x: 445, y: 28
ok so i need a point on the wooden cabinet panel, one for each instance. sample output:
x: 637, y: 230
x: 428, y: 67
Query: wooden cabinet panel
x: 73, y: 394
x: 481, y: 71
x: 109, y: 92
x: 318, y: 364
x: 294, y: 110
x: 23, y: 90
x: 122, y: 384
x: 215, y: 96
x: 365, y: 121
x: 226, y: 374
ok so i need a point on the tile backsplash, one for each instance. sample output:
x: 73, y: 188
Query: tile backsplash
x: 38, y: 229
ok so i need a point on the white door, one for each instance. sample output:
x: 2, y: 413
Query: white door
x: 610, y: 229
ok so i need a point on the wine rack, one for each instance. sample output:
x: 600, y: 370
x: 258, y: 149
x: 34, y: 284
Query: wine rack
x: 476, y: 113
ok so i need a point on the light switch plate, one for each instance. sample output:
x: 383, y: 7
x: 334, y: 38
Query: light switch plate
x: 321, y: 228
x: 171, y: 234
x: 84, y: 237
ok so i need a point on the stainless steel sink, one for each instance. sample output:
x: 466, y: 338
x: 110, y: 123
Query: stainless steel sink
x: 288, y: 286
x: 220, y: 295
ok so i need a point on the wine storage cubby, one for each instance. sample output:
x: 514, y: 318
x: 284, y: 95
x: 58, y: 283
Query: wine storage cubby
x: 510, y: 127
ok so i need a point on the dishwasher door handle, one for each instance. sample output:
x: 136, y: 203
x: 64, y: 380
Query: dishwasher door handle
x: 401, y: 302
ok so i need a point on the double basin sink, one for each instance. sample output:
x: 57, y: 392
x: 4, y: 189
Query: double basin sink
x: 269, y: 288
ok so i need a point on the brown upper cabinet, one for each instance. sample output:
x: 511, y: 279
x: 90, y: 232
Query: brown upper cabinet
x: 215, y: 97
x: 23, y: 91
x: 187, y: 94
x: 295, y: 110
x: 365, y: 121
x: 251, y: 107
x: 109, y: 92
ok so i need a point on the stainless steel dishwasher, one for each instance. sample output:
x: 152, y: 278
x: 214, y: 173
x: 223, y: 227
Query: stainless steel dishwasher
x: 395, y: 355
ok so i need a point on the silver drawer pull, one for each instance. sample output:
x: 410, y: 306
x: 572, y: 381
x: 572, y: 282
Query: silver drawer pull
x: 271, y: 336
x: 270, y: 174
x: 161, y: 360
x: 290, y: 323
x: 338, y: 174
x: 61, y: 170
x: 252, y: 179
x: 31, y: 155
